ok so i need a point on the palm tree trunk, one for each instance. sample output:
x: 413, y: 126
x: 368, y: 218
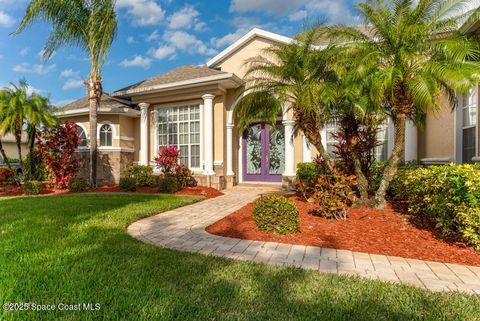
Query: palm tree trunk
x: 392, y: 165
x: 94, y: 89
x: 33, y: 132
x: 362, y: 182
x: 4, y: 155
x: 18, y: 139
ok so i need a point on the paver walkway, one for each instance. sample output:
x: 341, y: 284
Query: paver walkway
x: 184, y: 229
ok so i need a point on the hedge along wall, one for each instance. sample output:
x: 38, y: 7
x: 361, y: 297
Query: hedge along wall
x: 449, y: 194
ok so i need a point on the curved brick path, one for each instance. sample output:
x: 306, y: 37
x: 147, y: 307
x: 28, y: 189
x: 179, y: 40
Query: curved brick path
x: 184, y: 229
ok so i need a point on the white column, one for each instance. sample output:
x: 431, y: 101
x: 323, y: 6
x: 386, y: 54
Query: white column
x: 143, y: 133
x: 230, y: 150
x: 411, y: 140
x: 208, y: 132
x: 306, y: 151
x: 289, y: 152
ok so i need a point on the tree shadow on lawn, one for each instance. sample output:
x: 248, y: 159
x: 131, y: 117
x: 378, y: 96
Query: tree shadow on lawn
x: 101, y: 263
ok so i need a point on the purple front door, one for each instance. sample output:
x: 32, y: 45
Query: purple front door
x: 263, y: 153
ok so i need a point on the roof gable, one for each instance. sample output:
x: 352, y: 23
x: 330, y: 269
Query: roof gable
x: 237, y: 45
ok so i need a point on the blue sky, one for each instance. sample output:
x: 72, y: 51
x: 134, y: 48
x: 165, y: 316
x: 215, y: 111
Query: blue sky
x: 154, y: 36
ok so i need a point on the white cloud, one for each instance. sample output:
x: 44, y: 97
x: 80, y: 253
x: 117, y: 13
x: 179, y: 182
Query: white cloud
x: 200, y: 26
x: 24, y: 51
x: 153, y: 36
x: 142, y: 12
x: 335, y: 11
x: 72, y: 84
x: 298, y: 15
x: 277, y: 7
x: 229, y: 38
x: 5, y: 19
x: 38, y: 69
x: 183, y: 18
x: 30, y: 89
x: 163, y: 51
x: 188, y: 43
x: 1, y: 56
x: 69, y: 73
x: 137, y: 61
x: 130, y: 40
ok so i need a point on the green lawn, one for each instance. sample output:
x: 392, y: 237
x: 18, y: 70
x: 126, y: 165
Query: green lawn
x: 74, y: 249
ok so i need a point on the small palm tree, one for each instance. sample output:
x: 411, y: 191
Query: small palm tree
x: 91, y: 26
x: 413, y: 56
x: 288, y: 76
x: 12, y: 110
x: 19, y: 108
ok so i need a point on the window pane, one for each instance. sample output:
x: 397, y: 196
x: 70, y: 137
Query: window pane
x: 195, y: 156
x: 468, y: 145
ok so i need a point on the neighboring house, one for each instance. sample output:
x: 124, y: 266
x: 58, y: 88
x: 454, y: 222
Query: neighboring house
x: 192, y: 107
x: 10, y: 147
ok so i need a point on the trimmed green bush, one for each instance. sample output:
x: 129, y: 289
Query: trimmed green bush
x: 32, y: 187
x: 142, y: 174
x: 168, y: 184
x: 307, y: 171
x: 274, y: 213
x: 78, y: 184
x: 448, y: 194
x: 128, y: 184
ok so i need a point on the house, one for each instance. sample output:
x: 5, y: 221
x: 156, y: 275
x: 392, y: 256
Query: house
x: 192, y: 107
x: 9, y: 145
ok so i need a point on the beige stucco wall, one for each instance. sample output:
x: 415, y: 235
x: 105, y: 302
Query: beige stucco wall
x: 235, y: 62
x: 437, y: 138
x: 11, y: 149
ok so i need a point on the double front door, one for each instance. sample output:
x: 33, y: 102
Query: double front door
x: 264, y: 153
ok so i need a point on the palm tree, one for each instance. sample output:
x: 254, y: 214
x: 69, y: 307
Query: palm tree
x: 37, y: 113
x: 12, y: 108
x: 19, y: 108
x: 413, y: 56
x: 90, y: 25
x: 292, y: 76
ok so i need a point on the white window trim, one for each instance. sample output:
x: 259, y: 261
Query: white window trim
x: 195, y: 170
x: 114, y: 132
x: 79, y: 148
x: 459, y: 127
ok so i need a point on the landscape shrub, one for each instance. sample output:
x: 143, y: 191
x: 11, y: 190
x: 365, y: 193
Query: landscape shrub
x: 168, y: 184
x: 330, y: 189
x: 277, y: 214
x: 128, y: 184
x: 167, y: 160
x: 6, y: 176
x: 78, y: 184
x: 142, y: 174
x: 447, y: 194
x: 57, y: 147
x: 34, y: 166
x: 307, y: 171
x: 32, y: 187
x: 184, y: 176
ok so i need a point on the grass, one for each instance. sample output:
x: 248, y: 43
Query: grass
x: 74, y: 249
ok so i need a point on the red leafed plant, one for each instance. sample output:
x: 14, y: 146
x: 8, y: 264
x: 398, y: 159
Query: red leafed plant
x: 167, y: 160
x: 57, y: 146
x: 6, y: 176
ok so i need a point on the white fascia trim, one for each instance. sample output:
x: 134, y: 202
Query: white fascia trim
x: 81, y: 111
x: 187, y: 82
x: 255, y: 32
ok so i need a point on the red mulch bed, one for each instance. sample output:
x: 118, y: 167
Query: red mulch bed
x: 202, y: 191
x: 390, y: 231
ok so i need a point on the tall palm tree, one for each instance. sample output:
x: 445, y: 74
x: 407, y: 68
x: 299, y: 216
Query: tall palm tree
x: 413, y: 56
x: 292, y: 76
x: 90, y: 25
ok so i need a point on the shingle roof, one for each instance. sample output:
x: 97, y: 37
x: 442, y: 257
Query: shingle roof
x: 186, y: 72
x: 106, y: 101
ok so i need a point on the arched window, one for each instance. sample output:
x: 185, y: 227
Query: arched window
x: 83, y: 137
x: 106, y: 135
